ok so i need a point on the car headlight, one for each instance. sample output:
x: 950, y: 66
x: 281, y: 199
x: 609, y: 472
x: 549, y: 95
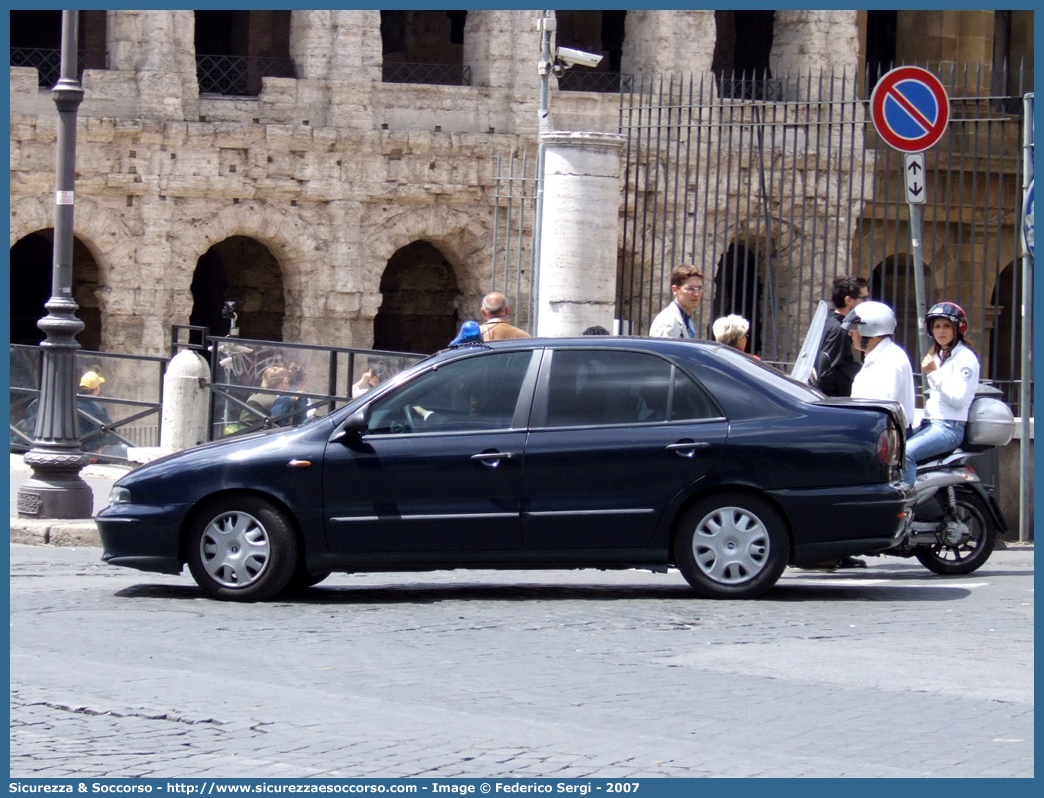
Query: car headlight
x: 119, y: 495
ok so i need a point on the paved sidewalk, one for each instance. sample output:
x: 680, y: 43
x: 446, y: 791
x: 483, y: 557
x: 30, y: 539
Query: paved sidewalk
x: 888, y: 672
x: 64, y: 532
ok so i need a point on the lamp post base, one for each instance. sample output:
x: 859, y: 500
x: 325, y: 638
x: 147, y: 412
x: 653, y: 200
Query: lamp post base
x: 56, y: 490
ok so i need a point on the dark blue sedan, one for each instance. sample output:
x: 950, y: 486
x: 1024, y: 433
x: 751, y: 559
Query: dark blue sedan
x: 593, y: 452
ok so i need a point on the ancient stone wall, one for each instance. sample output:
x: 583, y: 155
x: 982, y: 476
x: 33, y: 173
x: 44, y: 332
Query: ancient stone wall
x: 333, y: 171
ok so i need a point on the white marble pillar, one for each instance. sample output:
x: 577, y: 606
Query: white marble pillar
x: 579, y: 238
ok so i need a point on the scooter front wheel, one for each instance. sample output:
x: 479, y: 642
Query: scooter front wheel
x: 976, y: 543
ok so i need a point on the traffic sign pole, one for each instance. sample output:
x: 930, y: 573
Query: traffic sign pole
x: 916, y: 237
x: 915, y: 196
x: 910, y: 111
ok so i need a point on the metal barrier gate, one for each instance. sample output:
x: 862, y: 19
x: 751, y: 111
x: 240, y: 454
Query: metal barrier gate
x: 330, y: 377
x: 774, y: 197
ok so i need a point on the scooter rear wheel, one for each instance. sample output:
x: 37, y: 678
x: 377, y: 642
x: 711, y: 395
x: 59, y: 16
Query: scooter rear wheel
x: 974, y: 548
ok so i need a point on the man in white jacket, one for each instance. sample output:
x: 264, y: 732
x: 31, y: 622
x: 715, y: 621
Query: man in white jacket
x: 886, y: 372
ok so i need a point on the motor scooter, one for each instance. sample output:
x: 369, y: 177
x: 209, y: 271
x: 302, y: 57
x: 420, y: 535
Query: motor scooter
x: 957, y: 520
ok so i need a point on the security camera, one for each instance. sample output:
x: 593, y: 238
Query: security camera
x: 572, y: 58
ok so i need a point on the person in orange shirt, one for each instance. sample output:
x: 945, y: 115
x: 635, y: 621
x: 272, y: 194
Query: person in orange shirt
x: 495, y: 311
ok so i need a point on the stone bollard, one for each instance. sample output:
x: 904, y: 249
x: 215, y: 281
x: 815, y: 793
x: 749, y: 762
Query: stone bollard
x: 183, y: 415
x: 183, y: 423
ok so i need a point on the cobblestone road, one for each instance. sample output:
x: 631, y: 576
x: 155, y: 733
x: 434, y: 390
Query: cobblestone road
x: 889, y: 672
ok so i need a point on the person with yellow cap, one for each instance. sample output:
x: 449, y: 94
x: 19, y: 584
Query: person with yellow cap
x: 91, y: 417
x: 91, y: 383
x: 92, y: 414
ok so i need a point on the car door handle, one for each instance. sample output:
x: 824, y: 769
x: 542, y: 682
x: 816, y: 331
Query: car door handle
x: 492, y: 459
x: 687, y: 448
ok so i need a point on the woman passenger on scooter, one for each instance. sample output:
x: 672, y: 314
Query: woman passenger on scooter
x: 952, y: 370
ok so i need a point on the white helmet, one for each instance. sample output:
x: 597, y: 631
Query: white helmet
x: 871, y: 319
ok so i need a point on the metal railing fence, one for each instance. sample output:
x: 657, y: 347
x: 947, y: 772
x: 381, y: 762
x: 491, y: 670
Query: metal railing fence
x: 237, y: 366
x: 47, y: 62
x: 514, y: 209
x: 126, y: 413
x: 775, y: 187
x: 239, y: 75
x: 430, y: 74
x: 595, y: 81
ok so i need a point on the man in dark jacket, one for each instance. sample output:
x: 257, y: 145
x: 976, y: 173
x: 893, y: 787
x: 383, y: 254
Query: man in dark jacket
x: 836, y: 379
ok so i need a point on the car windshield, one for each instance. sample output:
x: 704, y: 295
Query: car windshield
x: 769, y: 375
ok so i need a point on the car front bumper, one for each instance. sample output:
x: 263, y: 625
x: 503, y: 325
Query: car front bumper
x: 145, y: 537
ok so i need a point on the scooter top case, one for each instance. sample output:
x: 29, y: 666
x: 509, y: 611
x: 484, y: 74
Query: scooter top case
x: 990, y: 421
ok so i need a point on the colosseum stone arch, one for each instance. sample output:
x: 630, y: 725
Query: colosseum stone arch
x: 462, y: 238
x: 286, y: 237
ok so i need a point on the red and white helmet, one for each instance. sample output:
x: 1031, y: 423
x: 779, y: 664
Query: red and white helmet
x: 950, y: 311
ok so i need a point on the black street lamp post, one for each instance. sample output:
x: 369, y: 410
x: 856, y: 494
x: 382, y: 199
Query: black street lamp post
x: 56, y: 490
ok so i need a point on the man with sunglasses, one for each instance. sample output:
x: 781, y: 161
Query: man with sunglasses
x: 675, y: 320
x: 836, y: 379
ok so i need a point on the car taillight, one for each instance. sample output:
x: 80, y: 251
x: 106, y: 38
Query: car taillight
x: 888, y: 446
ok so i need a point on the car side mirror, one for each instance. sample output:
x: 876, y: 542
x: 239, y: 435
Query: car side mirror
x: 353, y: 429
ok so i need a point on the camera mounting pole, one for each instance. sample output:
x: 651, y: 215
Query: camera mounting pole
x: 546, y: 25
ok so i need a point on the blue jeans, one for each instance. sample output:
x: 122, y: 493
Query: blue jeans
x: 931, y: 439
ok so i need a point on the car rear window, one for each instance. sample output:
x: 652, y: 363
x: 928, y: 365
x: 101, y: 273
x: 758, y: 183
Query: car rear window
x: 768, y: 375
x: 601, y: 387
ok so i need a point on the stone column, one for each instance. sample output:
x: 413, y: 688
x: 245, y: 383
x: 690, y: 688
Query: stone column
x: 157, y: 48
x: 814, y: 41
x: 578, y: 250
x: 662, y: 42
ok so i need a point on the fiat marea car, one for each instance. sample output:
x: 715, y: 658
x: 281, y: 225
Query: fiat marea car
x: 591, y: 452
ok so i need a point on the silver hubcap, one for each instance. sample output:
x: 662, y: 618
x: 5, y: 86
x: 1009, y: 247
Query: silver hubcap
x: 235, y: 549
x: 731, y: 545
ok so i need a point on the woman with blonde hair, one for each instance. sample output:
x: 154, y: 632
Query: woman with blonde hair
x: 273, y: 378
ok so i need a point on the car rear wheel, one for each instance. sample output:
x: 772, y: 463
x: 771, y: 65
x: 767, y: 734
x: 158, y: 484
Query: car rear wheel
x: 242, y: 548
x: 731, y: 546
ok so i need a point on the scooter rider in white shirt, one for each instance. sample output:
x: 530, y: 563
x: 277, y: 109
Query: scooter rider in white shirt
x: 952, y: 369
x: 886, y: 371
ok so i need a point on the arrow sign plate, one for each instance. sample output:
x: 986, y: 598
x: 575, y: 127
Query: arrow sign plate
x: 914, y: 178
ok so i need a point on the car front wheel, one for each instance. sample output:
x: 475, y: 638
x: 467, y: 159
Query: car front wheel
x: 242, y: 548
x: 731, y: 546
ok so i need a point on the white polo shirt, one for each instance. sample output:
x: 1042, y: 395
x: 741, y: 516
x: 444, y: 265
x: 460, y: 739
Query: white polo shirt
x: 887, y: 374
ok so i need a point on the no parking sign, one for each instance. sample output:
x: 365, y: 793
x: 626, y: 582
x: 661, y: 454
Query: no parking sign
x: 910, y: 109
